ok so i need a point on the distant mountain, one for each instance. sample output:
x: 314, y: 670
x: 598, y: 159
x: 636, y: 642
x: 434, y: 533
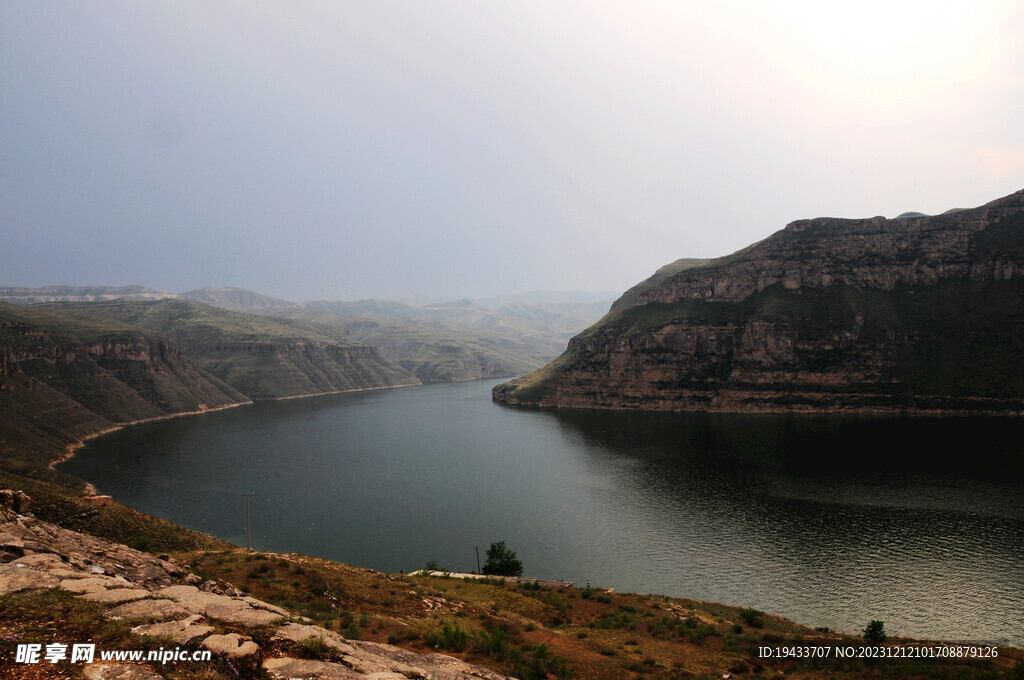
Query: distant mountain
x: 440, y: 341
x: 373, y: 307
x: 547, y: 297
x: 435, y: 350
x: 260, y: 356
x: 455, y: 340
x: 65, y: 375
x: 915, y: 314
x: 31, y: 296
x: 234, y: 299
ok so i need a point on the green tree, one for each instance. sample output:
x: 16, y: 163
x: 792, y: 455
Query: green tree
x: 501, y: 561
x: 875, y: 632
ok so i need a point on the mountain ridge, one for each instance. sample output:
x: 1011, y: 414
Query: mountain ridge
x: 260, y: 356
x: 918, y: 314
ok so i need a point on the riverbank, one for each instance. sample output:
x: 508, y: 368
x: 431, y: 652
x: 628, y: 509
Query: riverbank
x: 738, y: 509
x: 276, y: 616
x: 343, y: 595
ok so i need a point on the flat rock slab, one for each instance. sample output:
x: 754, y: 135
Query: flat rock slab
x: 116, y: 594
x: 40, y: 561
x: 287, y: 668
x: 296, y: 632
x: 91, y: 584
x: 182, y: 631
x: 118, y: 671
x: 153, y: 610
x: 15, y: 580
x: 233, y: 646
x: 412, y: 664
x: 260, y: 604
x: 221, y: 607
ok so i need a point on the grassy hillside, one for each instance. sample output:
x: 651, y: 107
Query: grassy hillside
x: 260, y: 356
x: 435, y: 350
x: 537, y: 631
x: 66, y: 376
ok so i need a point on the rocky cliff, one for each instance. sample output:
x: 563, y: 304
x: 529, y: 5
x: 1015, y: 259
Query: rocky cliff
x: 919, y: 314
x: 261, y: 357
x: 65, y: 376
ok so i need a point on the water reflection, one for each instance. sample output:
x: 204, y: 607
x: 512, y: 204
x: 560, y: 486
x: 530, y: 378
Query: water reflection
x: 829, y: 521
x: 916, y: 521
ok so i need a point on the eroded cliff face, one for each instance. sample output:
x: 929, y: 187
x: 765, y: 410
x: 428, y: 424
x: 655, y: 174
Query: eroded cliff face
x: 827, y: 315
x: 260, y: 357
x: 62, y: 380
x: 264, y: 370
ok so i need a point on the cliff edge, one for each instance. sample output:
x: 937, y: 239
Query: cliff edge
x: 917, y: 314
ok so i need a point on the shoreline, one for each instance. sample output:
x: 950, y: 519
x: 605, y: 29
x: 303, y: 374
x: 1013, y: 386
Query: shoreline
x: 73, y: 447
x: 324, y: 394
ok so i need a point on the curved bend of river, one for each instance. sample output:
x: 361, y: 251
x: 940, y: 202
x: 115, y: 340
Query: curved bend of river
x: 827, y: 521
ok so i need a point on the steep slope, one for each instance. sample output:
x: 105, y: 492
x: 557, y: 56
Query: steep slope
x: 234, y: 299
x: 544, y: 324
x: 261, y: 357
x: 433, y: 350
x: 919, y: 314
x: 31, y: 296
x: 67, y: 375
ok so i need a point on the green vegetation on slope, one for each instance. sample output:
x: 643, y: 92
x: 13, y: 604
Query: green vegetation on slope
x: 260, y: 356
x: 957, y: 338
x: 530, y: 630
x: 435, y: 350
x: 64, y: 376
x: 630, y: 297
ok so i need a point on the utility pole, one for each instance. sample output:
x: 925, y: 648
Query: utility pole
x: 477, y: 559
x: 248, y: 530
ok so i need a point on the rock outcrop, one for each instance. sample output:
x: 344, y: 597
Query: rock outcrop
x: 65, y: 376
x: 260, y: 357
x: 918, y: 314
x: 163, y: 601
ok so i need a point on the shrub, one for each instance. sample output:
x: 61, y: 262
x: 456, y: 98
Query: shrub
x: 541, y: 664
x: 449, y: 637
x: 142, y: 543
x: 875, y: 631
x: 501, y: 561
x: 314, y: 647
x: 493, y: 643
x: 752, y: 618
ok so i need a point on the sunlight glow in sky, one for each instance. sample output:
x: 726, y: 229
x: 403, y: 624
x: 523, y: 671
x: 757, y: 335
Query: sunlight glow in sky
x: 320, y: 149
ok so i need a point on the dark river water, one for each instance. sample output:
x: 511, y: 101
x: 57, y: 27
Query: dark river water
x: 827, y: 521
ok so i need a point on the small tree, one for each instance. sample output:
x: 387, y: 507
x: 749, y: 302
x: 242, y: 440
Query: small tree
x: 501, y: 561
x: 875, y: 632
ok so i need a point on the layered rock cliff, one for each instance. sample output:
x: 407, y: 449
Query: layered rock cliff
x: 261, y: 357
x: 920, y: 314
x: 66, y: 376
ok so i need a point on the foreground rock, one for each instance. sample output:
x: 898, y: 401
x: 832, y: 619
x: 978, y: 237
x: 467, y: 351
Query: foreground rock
x: 41, y: 556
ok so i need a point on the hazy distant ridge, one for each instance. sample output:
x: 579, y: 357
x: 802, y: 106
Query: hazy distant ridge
x: 441, y: 341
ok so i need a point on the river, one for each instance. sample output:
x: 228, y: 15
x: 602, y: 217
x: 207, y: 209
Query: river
x: 828, y: 521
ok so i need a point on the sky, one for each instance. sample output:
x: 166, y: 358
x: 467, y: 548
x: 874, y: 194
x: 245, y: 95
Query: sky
x: 323, y: 149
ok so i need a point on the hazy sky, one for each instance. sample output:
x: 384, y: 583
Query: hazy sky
x: 323, y: 149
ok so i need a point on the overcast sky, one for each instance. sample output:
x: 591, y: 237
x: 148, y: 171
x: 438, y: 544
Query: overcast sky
x: 324, y: 149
